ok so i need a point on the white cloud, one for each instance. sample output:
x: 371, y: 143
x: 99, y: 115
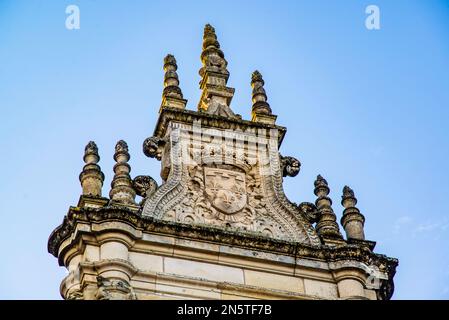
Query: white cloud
x: 401, y: 222
x: 434, y: 227
x: 415, y: 227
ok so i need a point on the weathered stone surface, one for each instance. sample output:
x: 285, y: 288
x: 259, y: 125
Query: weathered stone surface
x: 352, y: 220
x: 321, y: 289
x: 149, y: 246
x: 274, y: 281
x: 219, y: 226
x: 228, y: 185
x: 91, y: 177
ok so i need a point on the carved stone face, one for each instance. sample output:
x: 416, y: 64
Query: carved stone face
x: 225, y: 189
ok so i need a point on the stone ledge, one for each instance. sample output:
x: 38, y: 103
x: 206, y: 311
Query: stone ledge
x: 188, y: 116
x: 143, y: 225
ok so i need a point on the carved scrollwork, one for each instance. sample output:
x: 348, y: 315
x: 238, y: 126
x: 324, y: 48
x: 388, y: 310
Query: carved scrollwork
x: 114, y: 289
x: 310, y: 211
x: 153, y: 146
x: 243, y: 194
x: 144, y: 186
x: 227, y: 196
x: 290, y: 166
x: 75, y: 295
x: 386, y: 290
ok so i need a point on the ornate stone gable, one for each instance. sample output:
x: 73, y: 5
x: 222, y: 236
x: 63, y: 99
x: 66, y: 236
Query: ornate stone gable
x: 219, y: 226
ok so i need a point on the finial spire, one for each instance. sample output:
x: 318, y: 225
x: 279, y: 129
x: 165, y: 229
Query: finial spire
x: 210, y: 41
x: 261, y: 111
x: 172, y: 95
x: 91, y: 177
x: 216, y: 97
x: 121, y: 185
x: 327, y: 226
x: 352, y: 220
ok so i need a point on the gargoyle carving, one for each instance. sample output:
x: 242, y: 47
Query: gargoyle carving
x: 152, y: 147
x: 290, y: 166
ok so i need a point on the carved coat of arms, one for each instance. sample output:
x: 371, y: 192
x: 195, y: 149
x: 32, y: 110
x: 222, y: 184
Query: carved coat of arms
x: 225, y: 189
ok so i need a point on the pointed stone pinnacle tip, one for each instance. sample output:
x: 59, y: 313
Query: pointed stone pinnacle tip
x: 91, y: 147
x: 169, y: 59
x: 320, y: 181
x: 208, y: 29
x: 348, y: 192
x: 256, y: 76
x: 121, y: 146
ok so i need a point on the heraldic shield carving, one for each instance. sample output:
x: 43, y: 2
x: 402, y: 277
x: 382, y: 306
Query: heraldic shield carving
x: 242, y: 195
x: 225, y: 189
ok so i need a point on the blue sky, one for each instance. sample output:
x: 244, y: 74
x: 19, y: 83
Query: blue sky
x: 367, y: 108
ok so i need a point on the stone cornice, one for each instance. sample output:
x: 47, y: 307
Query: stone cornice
x: 209, y: 120
x: 206, y: 233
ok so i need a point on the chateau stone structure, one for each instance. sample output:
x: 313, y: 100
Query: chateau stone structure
x: 219, y: 226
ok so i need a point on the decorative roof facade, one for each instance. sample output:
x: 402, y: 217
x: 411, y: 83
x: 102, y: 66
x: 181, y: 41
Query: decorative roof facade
x: 222, y: 186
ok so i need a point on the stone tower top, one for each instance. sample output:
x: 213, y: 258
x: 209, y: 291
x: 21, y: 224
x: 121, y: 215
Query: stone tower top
x: 220, y: 212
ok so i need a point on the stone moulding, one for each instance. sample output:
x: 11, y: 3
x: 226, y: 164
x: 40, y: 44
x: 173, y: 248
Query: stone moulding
x: 328, y: 254
x: 209, y: 120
